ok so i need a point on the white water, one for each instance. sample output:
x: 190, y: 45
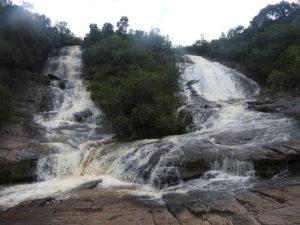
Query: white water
x: 216, y: 82
x: 80, y: 153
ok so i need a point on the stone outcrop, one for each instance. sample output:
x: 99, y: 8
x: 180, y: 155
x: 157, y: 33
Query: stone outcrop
x: 267, y: 160
x: 275, y: 201
x: 21, y: 140
x: 283, y: 103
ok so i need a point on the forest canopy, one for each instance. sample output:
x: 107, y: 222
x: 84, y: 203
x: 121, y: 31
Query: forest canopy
x: 133, y: 77
x: 269, y: 49
x: 26, y: 40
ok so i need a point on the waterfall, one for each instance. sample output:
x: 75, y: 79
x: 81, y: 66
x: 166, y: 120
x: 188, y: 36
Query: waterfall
x: 81, y: 147
x: 215, y: 82
x: 72, y: 124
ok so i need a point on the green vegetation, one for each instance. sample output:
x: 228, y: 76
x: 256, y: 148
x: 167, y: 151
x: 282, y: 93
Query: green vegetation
x: 268, y: 49
x: 134, y: 78
x: 26, y: 40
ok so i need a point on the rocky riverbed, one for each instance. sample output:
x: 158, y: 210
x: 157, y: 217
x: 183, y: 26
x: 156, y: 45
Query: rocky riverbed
x: 235, y: 165
x: 266, y: 202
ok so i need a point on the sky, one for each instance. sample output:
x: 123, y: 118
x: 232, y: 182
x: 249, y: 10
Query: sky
x: 182, y: 20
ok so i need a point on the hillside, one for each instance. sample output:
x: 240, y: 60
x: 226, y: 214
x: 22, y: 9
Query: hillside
x: 268, y: 50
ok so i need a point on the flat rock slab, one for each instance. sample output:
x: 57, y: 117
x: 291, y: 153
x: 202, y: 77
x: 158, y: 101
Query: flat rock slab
x: 89, y: 208
x: 268, y: 202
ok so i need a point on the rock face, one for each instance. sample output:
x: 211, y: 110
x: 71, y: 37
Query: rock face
x: 21, y: 140
x: 197, y: 110
x: 282, y: 103
x: 268, y: 160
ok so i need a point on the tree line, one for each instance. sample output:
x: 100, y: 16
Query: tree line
x: 26, y: 40
x: 268, y: 49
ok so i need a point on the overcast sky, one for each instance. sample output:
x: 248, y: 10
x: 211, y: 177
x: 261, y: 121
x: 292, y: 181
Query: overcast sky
x: 183, y: 20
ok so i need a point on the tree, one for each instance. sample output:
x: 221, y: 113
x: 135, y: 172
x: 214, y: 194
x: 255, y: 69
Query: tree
x: 233, y: 32
x: 133, y: 77
x: 95, y: 33
x: 26, y: 40
x: 268, y: 50
x: 107, y: 30
x: 27, y: 5
x: 62, y: 28
x: 122, y: 25
x: 4, y: 3
x: 272, y: 13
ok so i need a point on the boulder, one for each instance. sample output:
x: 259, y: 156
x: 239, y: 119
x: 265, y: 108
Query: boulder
x: 65, y: 84
x: 81, y: 116
x: 89, y: 185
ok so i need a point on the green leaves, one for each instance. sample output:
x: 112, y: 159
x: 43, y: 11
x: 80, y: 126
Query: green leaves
x: 264, y: 49
x: 133, y: 78
x: 26, y: 40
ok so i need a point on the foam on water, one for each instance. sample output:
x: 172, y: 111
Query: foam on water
x: 16, y: 194
x: 147, y: 167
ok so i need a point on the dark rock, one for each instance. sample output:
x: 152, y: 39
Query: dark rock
x: 47, y: 102
x: 53, y: 77
x: 284, y: 104
x: 80, y: 116
x: 65, y: 84
x: 89, y: 185
x: 267, y: 160
x: 198, y: 157
x: 17, y: 171
x: 197, y: 111
x: 20, y: 140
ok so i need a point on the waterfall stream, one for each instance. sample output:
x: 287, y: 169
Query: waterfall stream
x: 82, y: 149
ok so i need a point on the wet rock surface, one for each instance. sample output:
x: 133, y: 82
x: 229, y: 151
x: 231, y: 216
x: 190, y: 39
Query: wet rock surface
x: 90, y: 185
x: 266, y: 202
x: 267, y: 159
x: 81, y: 116
x: 283, y: 103
x: 21, y: 140
x: 197, y: 110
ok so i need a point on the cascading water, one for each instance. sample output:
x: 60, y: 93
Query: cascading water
x: 230, y: 126
x: 73, y: 126
x: 80, y: 152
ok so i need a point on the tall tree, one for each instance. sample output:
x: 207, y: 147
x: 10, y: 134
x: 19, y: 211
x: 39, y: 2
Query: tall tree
x: 122, y: 25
